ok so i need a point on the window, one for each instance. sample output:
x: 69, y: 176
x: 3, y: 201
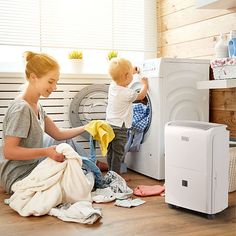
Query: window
x: 95, y: 27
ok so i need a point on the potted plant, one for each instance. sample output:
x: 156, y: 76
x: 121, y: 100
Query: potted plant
x: 111, y: 54
x: 76, y: 61
x: 75, y: 54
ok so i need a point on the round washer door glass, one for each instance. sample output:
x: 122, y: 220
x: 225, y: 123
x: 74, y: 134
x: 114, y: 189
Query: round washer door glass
x: 88, y: 104
x: 147, y: 101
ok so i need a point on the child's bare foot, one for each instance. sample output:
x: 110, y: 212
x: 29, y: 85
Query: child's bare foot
x: 102, y: 166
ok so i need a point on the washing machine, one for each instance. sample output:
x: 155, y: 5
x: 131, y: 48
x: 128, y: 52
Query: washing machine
x: 172, y: 95
x: 88, y: 104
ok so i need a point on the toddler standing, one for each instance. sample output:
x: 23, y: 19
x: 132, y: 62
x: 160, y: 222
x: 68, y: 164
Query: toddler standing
x: 119, y: 111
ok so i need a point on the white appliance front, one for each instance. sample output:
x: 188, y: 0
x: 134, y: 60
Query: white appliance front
x: 172, y: 95
x: 197, y: 165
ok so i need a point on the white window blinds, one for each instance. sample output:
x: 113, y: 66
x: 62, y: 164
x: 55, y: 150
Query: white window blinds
x: 47, y: 25
x: 135, y: 25
x: 81, y: 23
x: 19, y: 22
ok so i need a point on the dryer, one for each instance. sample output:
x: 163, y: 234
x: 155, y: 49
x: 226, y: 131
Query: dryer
x: 172, y: 95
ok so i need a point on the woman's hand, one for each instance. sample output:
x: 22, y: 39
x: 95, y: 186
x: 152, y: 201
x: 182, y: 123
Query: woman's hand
x: 53, y: 154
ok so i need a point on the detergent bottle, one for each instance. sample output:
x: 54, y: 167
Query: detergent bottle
x: 221, y: 47
x: 232, y: 44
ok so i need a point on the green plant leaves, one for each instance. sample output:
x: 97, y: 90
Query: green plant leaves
x: 75, y: 54
x: 112, y: 54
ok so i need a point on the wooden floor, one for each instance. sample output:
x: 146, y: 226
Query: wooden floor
x: 152, y: 218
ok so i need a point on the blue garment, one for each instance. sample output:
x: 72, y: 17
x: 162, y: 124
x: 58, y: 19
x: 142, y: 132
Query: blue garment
x: 133, y: 141
x: 89, y: 164
x: 140, y: 122
x: 141, y: 115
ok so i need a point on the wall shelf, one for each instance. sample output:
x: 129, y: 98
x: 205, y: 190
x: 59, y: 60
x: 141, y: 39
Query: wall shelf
x: 217, y: 84
x: 215, y: 4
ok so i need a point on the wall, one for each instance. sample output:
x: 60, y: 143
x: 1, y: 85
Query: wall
x: 187, y: 32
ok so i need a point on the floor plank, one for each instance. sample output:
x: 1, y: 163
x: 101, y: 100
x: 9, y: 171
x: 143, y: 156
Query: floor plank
x: 152, y: 218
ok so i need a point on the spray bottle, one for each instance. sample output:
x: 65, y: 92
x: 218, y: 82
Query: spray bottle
x: 232, y: 44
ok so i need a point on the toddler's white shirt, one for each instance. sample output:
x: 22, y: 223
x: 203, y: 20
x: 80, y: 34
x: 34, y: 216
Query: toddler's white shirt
x: 119, y: 108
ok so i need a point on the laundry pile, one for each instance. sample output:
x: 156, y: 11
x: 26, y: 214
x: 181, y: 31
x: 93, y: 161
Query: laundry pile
x: 115, y: 187
x: 117, y: 191
x: 52, y: 183
x: 67, y: 189
x: 64, y: 190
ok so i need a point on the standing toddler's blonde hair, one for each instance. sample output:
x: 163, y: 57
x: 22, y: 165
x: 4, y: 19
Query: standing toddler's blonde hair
x: 119, y: 68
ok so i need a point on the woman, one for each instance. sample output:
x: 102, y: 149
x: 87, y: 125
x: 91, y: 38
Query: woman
x: 25, y: 123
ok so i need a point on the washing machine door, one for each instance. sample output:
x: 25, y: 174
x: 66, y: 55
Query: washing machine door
x: 88, y: 104
x: 136, y: 85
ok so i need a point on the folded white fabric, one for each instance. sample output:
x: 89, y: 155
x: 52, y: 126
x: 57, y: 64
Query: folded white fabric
x: 129, y: 202
x: 50, y: 184
x: 80, y: 212
x: 103, y: 195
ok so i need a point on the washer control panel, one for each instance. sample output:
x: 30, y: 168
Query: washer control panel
x: 150, y: 68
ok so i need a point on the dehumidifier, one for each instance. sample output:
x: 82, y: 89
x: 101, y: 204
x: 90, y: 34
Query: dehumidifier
x: 196, y: 166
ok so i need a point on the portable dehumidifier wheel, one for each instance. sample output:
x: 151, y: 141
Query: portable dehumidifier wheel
x: 171, y: 206
x: 211, y: 216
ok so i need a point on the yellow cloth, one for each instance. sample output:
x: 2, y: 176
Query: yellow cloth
x: 101, y: 132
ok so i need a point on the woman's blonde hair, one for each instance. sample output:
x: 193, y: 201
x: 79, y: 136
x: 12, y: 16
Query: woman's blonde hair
x: 39, y: 64
x: 118, y: 68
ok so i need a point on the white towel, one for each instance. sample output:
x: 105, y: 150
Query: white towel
x: 103, y: 195
x: 79, y: 212
x: 50, y: 184
x: 129, y: 202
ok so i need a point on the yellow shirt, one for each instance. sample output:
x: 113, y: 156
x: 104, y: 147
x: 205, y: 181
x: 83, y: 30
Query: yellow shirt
x: 101, y: 132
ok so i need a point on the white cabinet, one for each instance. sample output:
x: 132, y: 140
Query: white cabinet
x: 215, y: 4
